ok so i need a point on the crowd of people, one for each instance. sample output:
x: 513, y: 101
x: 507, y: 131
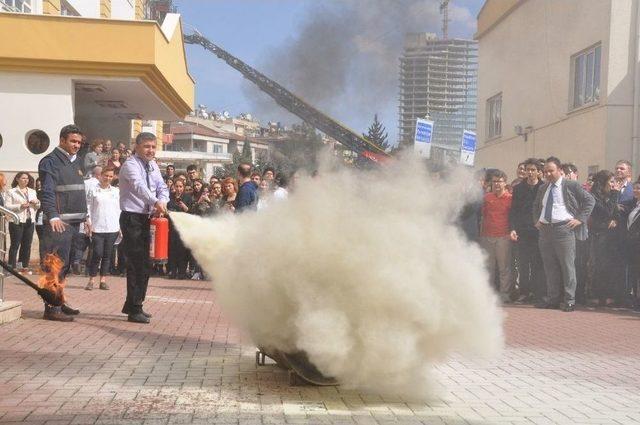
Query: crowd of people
x: 549, y: 239
x: 94, y: 251
x: 94, y: 204
x: 553, y: 241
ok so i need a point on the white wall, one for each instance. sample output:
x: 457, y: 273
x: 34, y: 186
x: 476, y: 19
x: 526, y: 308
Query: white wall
x: 31, y: 101
x: 527, y: 57
x: 86, y: 8
x: 123, y: 9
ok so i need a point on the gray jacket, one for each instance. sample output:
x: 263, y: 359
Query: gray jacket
x: 577, y: 200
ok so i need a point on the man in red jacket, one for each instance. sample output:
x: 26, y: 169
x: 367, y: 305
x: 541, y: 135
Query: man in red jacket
x: 495, y: 233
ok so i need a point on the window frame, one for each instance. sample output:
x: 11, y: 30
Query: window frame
x: 587, y: 75
x: 492, y: 132
x: 12, y: 4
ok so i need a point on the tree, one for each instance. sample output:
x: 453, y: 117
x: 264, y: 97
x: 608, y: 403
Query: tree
x: 246, y: 156
x: 377, y: 134
x: 299, y: 151
x: 236, y: 159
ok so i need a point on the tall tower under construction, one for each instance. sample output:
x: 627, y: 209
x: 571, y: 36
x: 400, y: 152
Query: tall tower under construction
x: 438, y: 80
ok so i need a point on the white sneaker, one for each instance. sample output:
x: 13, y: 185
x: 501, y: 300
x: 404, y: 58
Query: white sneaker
x: 196, y: 276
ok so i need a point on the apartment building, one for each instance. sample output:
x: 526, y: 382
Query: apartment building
x: 558, y: 78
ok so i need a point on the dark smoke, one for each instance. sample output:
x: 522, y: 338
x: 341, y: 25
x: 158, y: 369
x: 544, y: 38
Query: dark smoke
x: 344, y: 58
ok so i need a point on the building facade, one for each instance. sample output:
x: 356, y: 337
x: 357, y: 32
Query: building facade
x: 438, y: 81
x: 93, y: 62
x: 558, y: 78
x: 206, y: 144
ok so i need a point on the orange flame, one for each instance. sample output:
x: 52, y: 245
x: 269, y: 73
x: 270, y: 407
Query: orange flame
x: 51, y: 280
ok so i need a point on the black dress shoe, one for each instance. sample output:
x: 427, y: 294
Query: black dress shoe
x: 66, y: 309
x: 568, y: 307
x: 125, y: 310
x: 138, y: 318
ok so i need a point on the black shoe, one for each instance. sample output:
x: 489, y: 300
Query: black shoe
x: 125, y: 310
x: 568, y: 307
x: 66, y: 309
x: 547, y: 305
x: 55, y: 313
x: 138, y: 318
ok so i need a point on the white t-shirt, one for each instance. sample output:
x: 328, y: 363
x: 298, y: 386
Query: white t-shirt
x: 280, y: 193
x: 104, y: 209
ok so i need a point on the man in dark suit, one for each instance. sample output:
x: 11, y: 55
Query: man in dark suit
x: 630, y: 224
x: 560, y: 212
x: 623, y: 181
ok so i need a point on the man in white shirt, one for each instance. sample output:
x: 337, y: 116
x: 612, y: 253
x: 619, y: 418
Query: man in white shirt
x: 560, y: 212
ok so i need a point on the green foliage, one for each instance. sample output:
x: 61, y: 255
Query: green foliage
x: 377, y: 134
x: 300, y: 151
x: 246, y: 152
x: 236, y: 159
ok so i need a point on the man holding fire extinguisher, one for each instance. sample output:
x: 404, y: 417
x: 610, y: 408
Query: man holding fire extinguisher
x: 143, y: 194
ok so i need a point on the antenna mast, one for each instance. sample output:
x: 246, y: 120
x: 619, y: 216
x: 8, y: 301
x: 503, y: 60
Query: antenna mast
x: 444, y: 9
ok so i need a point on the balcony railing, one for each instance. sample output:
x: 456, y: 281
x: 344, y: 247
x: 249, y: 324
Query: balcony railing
x: 5, y: 216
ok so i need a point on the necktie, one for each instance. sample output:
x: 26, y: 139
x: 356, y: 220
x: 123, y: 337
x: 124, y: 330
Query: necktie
x: 147, y: 169
x: 548, y: 209
x: 633, y: 216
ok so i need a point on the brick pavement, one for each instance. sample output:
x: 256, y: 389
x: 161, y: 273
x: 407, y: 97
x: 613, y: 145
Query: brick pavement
x: 190, y: 366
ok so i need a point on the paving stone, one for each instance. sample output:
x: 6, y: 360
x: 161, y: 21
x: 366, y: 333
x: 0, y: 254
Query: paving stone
x: 190, y: 366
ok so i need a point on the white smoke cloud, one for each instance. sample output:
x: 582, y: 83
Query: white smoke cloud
x: 363, y: 271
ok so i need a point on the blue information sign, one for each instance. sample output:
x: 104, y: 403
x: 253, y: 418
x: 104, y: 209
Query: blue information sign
x: 422, y: 139
x: 468, y: 150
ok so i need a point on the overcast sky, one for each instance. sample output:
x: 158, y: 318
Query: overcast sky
x: 339, y: 55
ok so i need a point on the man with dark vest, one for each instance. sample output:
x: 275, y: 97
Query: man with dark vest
x: 64, y: 205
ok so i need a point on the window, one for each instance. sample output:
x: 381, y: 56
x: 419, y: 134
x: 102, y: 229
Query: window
x: 494, y: 116
x: 585, y: 73
x: 217, y: 148
x: 67, y: 10
x: 37, y: 141
x: 23, y: 6
x: 199, y: 146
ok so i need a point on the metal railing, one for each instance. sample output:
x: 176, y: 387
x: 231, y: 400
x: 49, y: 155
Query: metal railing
x: 5, y: 216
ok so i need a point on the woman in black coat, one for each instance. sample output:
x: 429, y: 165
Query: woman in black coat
x: 178, y: 253
x: 602, y: 237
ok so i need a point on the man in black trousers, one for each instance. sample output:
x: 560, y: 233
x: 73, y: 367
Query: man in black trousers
x: 532, y: 286
x: 143, y: 193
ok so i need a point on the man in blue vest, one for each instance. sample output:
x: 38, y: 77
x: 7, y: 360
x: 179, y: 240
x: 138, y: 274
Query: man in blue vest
x: 64, y: 205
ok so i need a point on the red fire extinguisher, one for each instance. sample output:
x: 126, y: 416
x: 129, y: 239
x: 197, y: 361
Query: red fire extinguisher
x: 159, y: 246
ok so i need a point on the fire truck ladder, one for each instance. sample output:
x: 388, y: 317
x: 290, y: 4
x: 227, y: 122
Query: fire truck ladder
x: 294, y: 104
